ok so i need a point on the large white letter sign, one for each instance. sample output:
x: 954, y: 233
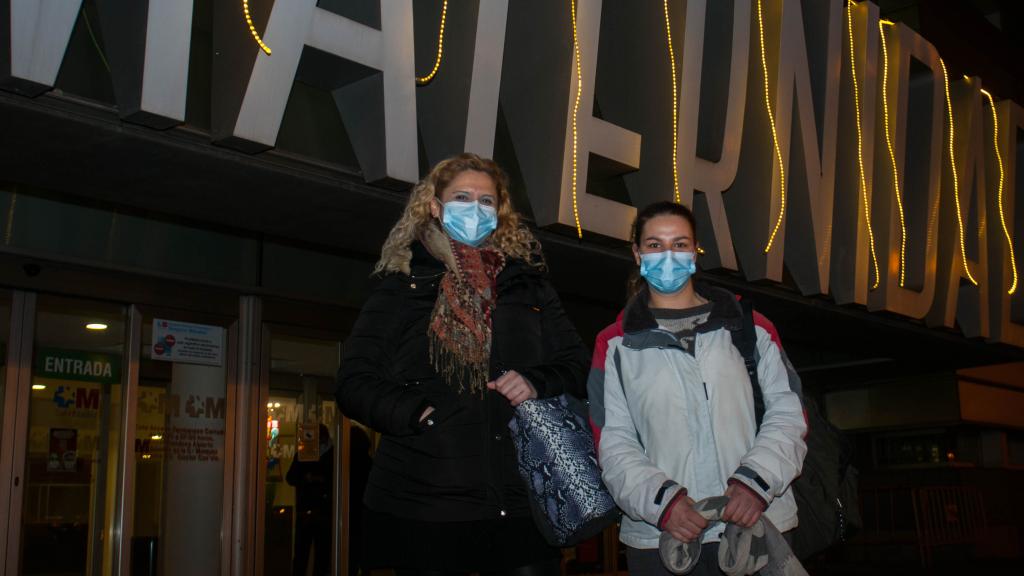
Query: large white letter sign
x: 455, y: 115
x: 485, y: 84
x: 810, y: 181
x: 592, y: 135
x: 964, y: 194
x: 852, y: 267
x: 34, y: 35
x: 908, y: 243
x: 700, y: 174
x: 147, y: 43
x: 1006, y: 310
x: 296, y: 24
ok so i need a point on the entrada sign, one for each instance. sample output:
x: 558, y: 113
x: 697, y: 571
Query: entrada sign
x: 819, y: 137
x: 78, y: 365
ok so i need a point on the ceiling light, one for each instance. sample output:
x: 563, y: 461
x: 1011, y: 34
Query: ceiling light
x: 39, y: 386
x: 96, y: 326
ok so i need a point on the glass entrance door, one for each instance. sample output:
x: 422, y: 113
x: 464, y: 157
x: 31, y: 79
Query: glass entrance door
x: 313, y: 460
x: 71, y: 456
x: 114, y: 443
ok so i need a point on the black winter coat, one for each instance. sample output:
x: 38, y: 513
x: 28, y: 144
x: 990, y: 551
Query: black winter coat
x: 462, y: 467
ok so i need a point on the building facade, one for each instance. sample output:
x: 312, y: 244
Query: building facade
x: 193, y: 198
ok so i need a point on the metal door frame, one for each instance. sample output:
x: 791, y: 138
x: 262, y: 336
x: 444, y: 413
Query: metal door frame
x: 14, y: 443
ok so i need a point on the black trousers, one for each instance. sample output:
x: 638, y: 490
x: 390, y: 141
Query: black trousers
x: 647, y: 562
x: 312, y: 530
x: 546, y: 568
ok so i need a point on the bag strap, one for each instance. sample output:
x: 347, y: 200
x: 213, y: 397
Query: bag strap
x: 745, y: 340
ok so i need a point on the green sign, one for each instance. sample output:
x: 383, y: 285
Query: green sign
x: 78, y: 365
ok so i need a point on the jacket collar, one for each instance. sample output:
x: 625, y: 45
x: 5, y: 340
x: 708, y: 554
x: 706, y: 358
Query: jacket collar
x: 423, y: 263
x: 641, y: 329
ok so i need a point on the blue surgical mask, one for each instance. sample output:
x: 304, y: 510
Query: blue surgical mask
x: 667, y: 271
x: 469, y: 222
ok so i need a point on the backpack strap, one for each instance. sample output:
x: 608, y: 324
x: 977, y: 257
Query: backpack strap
x: 745, y: 340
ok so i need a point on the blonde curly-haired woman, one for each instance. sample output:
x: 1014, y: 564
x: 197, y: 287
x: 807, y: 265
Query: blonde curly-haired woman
x: 463, y: 327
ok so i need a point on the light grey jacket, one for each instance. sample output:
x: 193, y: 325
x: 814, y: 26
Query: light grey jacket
x: 672, y: 420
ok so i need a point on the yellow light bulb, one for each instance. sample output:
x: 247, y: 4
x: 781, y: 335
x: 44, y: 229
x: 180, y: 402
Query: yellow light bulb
x: 440, y: 48
x: 775, y: 136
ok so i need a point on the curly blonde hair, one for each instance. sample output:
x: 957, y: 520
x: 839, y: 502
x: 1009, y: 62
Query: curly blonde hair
x: 512, y: 238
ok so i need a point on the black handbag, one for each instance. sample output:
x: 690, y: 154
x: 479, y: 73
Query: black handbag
x: 557, y: 460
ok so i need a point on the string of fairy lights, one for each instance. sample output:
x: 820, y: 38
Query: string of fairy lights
x: 575, y: 112
x: 775, y: 134
x: 252, y: 28
x: 675, y: 108
x: 892, y: 150
x: 780, y: 218
x: 440, y: 48
x: 955, y: 174
x: 999, y: 201
x: 860, y: 143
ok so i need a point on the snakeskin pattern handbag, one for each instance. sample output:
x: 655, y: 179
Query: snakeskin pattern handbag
x: 557, y: 460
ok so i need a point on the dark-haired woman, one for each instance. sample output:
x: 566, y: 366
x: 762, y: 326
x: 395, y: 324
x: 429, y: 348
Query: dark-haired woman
x: 463, y: 327
x: 672, y: 400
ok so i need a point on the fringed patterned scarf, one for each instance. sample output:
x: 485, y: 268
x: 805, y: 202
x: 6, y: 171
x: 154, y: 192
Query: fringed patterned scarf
x: 460, y: 327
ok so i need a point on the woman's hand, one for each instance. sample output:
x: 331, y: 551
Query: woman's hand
x: 513, y: 386
x: 744, y: 508
x: 684, y: 523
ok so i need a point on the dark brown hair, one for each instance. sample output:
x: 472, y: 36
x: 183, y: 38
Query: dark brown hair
x: 636, y: 282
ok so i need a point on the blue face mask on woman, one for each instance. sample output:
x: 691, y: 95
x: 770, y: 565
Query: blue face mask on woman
x: 469, y: 222
x: 667, y: 271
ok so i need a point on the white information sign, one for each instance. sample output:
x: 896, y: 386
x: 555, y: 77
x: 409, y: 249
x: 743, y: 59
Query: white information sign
x: 186, y: 342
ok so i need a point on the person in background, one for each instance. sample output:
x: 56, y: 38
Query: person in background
x: 673, y: 409
x: 463, y: 327
x: 313, y: 482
